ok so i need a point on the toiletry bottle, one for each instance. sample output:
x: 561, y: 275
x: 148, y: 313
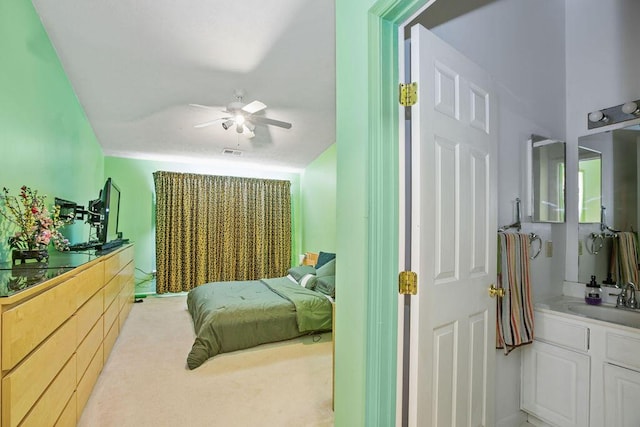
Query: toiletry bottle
x: 593, y: 292
x: 609, y: 281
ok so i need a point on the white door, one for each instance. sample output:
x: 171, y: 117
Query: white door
x: 453, y: 247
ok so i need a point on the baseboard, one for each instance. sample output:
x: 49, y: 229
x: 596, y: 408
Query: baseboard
x: 513, y: 420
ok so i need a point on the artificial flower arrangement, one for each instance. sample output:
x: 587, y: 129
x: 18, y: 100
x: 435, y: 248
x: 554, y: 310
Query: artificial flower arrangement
x: 36, y: 226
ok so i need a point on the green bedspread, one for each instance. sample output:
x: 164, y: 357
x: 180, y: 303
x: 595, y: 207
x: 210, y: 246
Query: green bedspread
x: 229, y: 316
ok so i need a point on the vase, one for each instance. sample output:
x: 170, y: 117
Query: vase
x: 25, y: 255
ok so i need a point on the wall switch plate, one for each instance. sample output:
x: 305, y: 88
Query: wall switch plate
x: 548, y: 249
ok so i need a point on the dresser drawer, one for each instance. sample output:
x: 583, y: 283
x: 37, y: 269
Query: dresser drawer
x: 88, y: 348
x: 68, y: 416
x: 111, y: 291
x: 22, y: 387
x: 27, y: 325
x: 126, y: 299
x: 110, y: 338
x: 111, y: 315
x: 89, y: 314
x: 623, y: 350
x: 89, y: 282
x: 54, y: 400
x: 560, y: 331
x: 88, y: 380
x: 115, y: 263
x: 127, y: 287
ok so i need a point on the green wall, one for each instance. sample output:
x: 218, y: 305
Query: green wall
x: 46, y: 141
x: 137, y: 211
x: 318, y: 202
x: 351, y: 222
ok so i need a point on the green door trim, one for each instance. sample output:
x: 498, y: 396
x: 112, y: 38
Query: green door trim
x: 385, y: 18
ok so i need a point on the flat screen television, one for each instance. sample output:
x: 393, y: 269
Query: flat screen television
x: 108, y: 207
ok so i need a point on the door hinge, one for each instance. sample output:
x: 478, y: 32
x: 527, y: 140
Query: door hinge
x: 408, y: 283
x: 408, y: 94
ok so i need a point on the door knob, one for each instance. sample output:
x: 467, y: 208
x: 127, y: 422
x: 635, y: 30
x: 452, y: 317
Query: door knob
x: 495, y: 292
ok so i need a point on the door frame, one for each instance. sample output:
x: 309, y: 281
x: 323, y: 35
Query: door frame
x: 385, y: 19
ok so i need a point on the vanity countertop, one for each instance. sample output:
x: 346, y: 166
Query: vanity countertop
x: 606, y: 314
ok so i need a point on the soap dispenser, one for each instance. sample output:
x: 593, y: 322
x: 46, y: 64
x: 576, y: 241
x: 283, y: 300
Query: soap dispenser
x: 609, y: 281
x: 593, y: 292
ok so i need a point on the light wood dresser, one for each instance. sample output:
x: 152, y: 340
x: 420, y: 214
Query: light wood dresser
x: 56, y: 336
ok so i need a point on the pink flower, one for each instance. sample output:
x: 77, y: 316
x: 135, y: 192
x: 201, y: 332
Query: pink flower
x: 36, y: 228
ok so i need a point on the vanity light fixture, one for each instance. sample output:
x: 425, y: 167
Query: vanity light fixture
x: 613, y: 115
x: 631, y: 108
x: 598, y: 116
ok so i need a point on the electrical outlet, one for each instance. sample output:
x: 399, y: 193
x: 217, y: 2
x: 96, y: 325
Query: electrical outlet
x: 549, y: 249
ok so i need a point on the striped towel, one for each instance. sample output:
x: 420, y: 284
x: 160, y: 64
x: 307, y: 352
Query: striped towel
x: 624, y: 258
x: 515, y: 310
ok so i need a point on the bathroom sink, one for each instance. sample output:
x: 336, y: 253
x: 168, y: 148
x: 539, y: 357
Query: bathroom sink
x: 607, y: 313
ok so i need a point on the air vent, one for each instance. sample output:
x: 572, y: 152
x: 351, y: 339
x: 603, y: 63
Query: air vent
x: 231, y: 152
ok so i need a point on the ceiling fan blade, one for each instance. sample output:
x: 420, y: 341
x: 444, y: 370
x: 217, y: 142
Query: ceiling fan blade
x: 268, y: 121
x: 248, y: 132
x: 254, y: 107
x: 206, y: 107
x: 209, y: 123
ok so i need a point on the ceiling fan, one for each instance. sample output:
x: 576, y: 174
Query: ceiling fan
x: 243, y: 116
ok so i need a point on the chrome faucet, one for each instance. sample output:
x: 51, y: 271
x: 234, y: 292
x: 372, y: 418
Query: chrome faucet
x: 627, y: 301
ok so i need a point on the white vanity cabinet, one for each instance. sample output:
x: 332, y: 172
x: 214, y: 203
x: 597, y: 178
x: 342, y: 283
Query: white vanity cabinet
x: 556, y: 373
x: 621, y: 391
x: 581, y: 372
x: 621, y: 373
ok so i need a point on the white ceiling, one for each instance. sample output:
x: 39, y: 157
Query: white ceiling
x: 137, y: 65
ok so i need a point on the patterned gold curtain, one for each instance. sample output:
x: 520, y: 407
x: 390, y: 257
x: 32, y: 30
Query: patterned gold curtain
x: 220, y: 228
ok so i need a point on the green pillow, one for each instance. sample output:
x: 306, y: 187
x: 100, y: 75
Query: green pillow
x: 300, y: 270
x: 328, y: 269
x: 323, y: 258
x: 326, y: 285
x: 308, y: 281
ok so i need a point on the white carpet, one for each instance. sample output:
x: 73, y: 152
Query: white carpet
x: 146, y: 382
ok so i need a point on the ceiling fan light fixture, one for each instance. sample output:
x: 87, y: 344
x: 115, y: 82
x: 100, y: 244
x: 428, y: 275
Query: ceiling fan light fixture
x: 243, y: 116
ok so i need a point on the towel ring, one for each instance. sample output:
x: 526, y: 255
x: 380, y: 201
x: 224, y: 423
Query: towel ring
x: 532, y: 238
x: 597, y: 242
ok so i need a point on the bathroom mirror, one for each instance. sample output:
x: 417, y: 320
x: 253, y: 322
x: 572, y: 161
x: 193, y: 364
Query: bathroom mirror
x: 547, y: 180
x: 619, y: 153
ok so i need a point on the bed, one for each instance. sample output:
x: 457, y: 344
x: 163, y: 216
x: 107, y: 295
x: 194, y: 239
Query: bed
x: 230, y: 316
